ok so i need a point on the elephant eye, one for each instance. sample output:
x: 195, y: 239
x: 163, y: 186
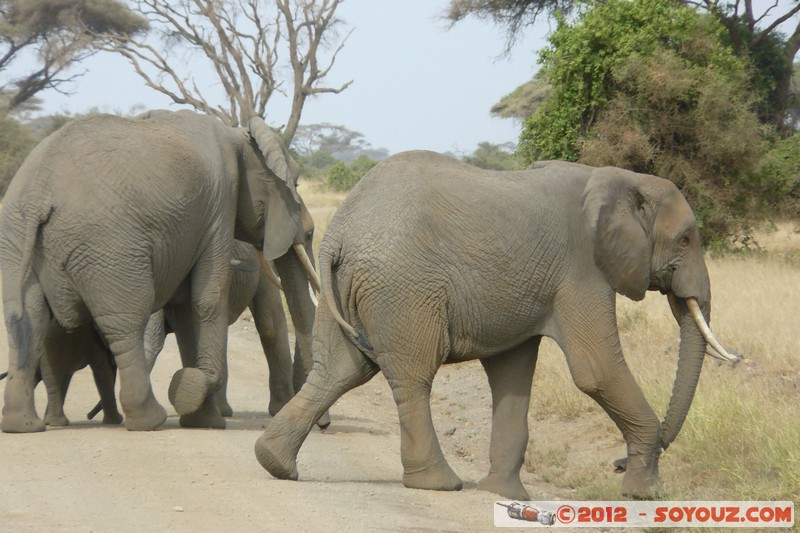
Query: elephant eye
x: 684, y: 242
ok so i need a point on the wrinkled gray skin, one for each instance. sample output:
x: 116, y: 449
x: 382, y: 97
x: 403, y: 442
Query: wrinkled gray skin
x: 433, y: 261
x: 108, y: 216
x: 249, y: 288
x: 65, y: 354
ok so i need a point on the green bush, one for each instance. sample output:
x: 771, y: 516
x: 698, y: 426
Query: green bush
x: 343, y: 177
x: 650, y: 86
x: 16, y: 142
x: 493, y: 157
x: 776, y: 181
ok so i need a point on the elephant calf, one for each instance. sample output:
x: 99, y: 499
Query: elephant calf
x: 432, y: 261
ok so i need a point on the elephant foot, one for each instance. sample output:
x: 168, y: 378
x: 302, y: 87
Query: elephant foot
x: 56, y: 420
x: 21, y: 423
x: 641, y: 477
x: 324, y: 421
x: 147, y: 417
x: 188, y: 390
x: 437, y: 477
x: 113, y: 418
x: 273, y: 455
x: 208, y: 416
x: 225, y: 408
x: 506, y: 485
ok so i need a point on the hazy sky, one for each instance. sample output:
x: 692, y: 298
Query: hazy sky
x: 416, y: 83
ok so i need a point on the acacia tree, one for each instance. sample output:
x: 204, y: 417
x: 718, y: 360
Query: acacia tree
x: 244, y: 41
x: 61, y: 33
x: 512, y: 15
x: 754, y: 29
x: 772, y: 52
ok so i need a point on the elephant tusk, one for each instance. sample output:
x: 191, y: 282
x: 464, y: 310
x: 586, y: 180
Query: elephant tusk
x: 313, y: 296
x: 271, y: 276
x: 718, y: 351
x: 310, y: 272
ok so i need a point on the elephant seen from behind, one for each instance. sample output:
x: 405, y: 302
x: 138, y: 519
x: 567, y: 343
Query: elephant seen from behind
x: 432, y: 261
x: 107, y: 218
x: 251, y: 287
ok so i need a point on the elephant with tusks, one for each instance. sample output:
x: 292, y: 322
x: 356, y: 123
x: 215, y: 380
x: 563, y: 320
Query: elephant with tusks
x: 432, y: 261
x: 108, y: 217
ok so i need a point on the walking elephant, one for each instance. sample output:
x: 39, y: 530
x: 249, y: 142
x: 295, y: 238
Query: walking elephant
x: 250, y: 287
x: 106, y: 219
x: 431, y: 261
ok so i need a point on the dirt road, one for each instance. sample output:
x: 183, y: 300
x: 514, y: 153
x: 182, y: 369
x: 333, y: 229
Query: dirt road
x: 87, y: 477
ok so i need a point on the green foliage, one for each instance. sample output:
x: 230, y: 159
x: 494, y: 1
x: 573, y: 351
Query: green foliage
x: 320, y: 159
x: 16, y: 142
x: 650, y: 86
x: 766, y: 62
x: 342, y: 177
x: 523, y: 101
x: 776, y: 181
x: 688, y: 124
x: 493, y: 157
x: 582, y: 57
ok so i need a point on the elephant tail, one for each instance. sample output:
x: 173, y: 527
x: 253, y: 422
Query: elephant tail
x: 325, y: 269
x: 16, y: 321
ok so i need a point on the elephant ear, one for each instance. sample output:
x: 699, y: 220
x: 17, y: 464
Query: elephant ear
x: 276, y: 156
x: 282, y: 216
x: 616, y: 206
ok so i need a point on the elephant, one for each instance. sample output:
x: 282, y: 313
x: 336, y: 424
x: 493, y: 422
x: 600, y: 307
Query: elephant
x: 251, y: 287
x: 431, y: 261
x: 105, y: 220
x: 66, y: 353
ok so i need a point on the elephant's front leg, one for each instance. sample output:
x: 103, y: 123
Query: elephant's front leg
x: 192, y: 389
x: 510, y: 375
x: 598, y: 368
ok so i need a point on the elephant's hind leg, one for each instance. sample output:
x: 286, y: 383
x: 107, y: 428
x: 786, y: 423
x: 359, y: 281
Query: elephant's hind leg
x: 510, y: 375
x: 338, y: 367
x: 26, y: 344
x: 410, y: 376
x: 124, y: 333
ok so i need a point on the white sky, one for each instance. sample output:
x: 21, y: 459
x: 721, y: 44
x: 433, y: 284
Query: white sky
x: 416, y: 84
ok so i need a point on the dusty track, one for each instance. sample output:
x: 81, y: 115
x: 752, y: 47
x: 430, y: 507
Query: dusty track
x: 88, y: 477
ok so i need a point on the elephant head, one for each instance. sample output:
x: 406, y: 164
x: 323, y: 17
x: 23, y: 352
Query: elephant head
x: 646, y: 238
x: 272, y: 215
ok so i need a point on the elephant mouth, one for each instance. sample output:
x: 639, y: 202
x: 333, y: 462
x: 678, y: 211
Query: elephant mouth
x: 662, y: 281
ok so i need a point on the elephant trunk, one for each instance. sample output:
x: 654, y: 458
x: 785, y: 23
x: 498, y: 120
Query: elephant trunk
x: 690, y: 363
